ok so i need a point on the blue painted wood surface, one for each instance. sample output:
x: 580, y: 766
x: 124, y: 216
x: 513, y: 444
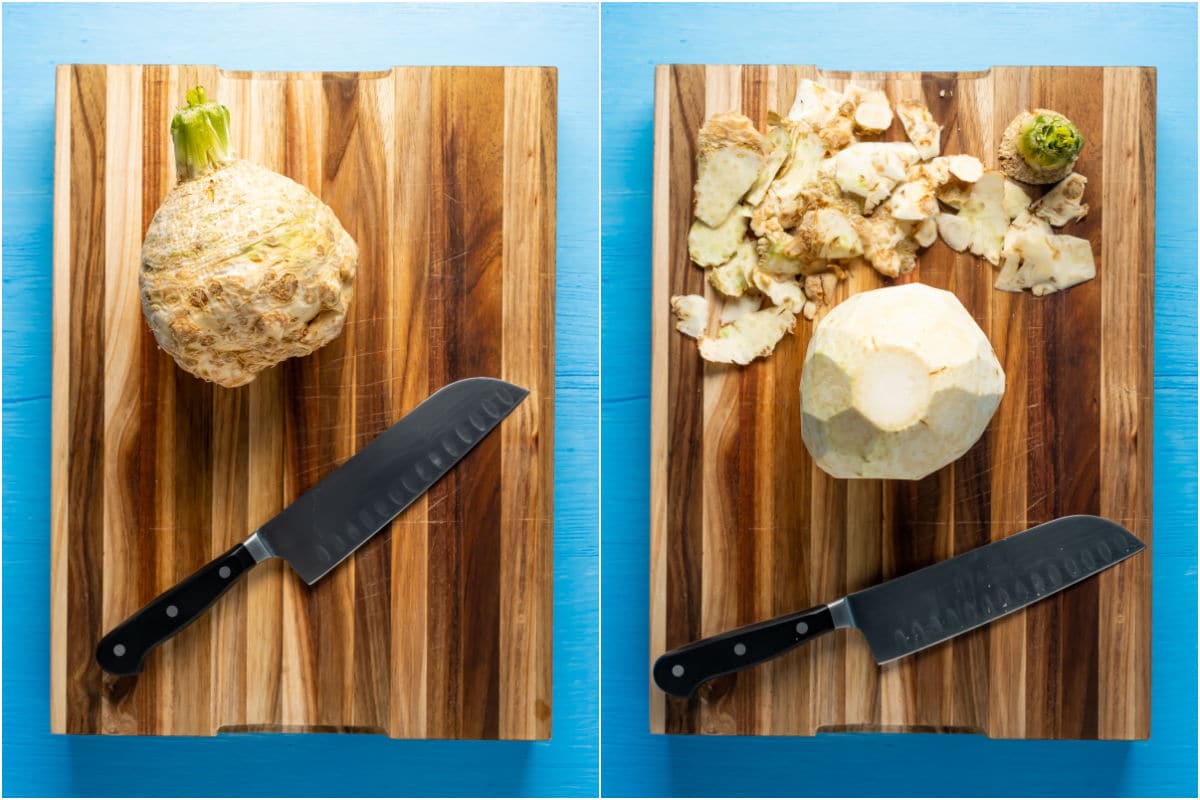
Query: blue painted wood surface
x: 891, y: 37
x: 277, y: 37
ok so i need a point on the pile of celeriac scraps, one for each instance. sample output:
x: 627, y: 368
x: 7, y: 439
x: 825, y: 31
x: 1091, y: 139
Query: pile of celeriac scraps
x: 781, y: 217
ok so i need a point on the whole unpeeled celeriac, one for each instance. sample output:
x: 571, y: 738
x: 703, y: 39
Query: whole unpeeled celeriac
x: 897, y: 383
x: 241, y: 267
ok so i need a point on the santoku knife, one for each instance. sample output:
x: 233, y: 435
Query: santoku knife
x: 922, y: 608
x: 332, y: 519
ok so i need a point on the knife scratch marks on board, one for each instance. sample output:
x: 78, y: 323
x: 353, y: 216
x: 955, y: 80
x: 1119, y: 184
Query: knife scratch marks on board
x: 449, y: 259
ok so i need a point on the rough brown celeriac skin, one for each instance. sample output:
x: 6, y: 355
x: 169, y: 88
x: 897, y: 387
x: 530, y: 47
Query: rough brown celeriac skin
x: 243, y: 268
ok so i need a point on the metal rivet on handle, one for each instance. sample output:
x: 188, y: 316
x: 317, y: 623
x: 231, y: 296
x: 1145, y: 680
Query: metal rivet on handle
x: 172, y: 611
x: 801, y: 628
x: 676, y: 670
x: 224, y: 572
x: 119, y: 650
x: 739, y: 649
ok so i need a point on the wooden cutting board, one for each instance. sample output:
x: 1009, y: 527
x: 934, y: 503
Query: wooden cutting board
x: 745, y: 527
x: 441, y: 625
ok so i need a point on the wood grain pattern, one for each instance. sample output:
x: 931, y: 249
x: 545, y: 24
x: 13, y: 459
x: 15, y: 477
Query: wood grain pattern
x: 744, y: 526
x: 440, y: 627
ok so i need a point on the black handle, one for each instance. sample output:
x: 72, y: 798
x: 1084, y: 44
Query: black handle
x: 122, y: 651
x: 680, y: 671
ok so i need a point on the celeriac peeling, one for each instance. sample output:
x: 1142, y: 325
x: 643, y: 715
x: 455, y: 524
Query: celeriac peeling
x: 815, y: 103
x: 1064, y: 203
x: 711, y: 247
x: 871, y: 170
x: 913, y: 201
x: 887, y: 246
x: 779, y: 138
x: 737, y: 307
x: 781, y: 217
x: 691, y: 314
x: 781, y: 290
x: 805, y: 152
x: 731, y: 154
x: 1015, y: 199
x: 733, y: 277
x: 919, y: 126
x: 1037, y: 259
x: 872, y: 115
x: 751, y: 336
x: 982, y: 221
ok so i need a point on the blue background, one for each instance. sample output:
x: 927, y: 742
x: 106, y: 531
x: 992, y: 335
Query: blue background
x: 872, y: 37
x: 292, y: 38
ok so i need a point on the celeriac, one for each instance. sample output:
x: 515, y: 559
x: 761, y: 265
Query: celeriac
x: 241, y: 266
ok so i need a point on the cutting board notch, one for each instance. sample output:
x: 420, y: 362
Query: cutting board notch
x: 744, y: 526
x: 440, y: 627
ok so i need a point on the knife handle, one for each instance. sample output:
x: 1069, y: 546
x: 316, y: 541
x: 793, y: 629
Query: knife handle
x: 680, y: 672
x: 122, y: 651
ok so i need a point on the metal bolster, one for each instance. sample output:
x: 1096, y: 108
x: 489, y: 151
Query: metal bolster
x: 259, y: 550
x: 842, y: 616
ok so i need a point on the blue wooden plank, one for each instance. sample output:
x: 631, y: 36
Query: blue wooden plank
x: 279, y: 37
x: 889, y: 37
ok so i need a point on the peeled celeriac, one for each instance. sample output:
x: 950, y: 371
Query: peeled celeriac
x: 241, y: 267
x: 897, y: 383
